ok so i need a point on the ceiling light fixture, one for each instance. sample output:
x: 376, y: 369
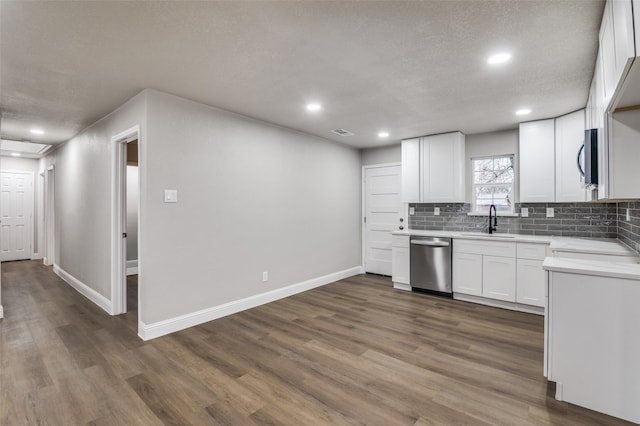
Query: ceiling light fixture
x: 523, y: 111
x: 383, y: 134
x: 37, y: 131
x: 314, y: 107
x: 500, y: 58
x: 15, y: 154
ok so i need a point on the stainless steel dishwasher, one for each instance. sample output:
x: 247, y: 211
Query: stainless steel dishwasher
x: 430, y: 264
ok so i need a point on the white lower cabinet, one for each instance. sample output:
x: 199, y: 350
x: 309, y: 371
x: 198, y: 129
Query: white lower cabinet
x: 531, y: 281
x: 400, y: 265
x: 499, y: 278
x: 467, y: 274
x: 500, y: 273
x: 400, y: 262
x: 530, y: 277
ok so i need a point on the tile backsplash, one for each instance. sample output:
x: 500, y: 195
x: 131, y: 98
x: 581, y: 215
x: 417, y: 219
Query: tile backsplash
x: 629, y: 230
x: 592, y: 220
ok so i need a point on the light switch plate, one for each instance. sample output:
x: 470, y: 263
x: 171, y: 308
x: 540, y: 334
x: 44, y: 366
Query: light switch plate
x: 550, y: 212
x: 412, y: 211
x: 436, y: 211
x: 524, y: 212
x: 170, y: 195
x: 628, y: 216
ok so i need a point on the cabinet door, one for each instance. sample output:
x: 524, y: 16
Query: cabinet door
x: 499, y: 278
x: 467, y: 274
x: 607, y: 49
x: 443, y: 174
x: 623, y: 36
x: 410, y: 187
x: 569, y: 139
x: 537, y: 161
x: 400, y: 265
x: 530, y: 282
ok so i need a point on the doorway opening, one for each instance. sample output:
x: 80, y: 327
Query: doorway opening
x: 125, y: 222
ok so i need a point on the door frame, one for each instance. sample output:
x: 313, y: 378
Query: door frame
x: 363, y: 207
x: 119, y: 220
x: 31, y: 207
x: 49, y: 216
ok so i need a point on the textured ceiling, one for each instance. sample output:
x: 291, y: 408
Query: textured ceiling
x: 411, y: 68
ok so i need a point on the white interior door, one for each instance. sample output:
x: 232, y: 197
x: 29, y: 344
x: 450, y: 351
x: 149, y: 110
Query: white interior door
x: 383, y: 214
x: 16, y: 211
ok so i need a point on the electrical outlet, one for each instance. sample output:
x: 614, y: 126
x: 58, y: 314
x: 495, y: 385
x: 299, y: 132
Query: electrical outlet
x: 436, y: 211
x: 550, y: 212
x: 265, y: 276
x: 524, y: 212
x: 412, y: 211
x: 628, y: 216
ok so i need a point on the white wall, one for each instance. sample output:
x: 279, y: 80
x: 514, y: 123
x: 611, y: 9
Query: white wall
x: 83, y: 179
x: 252, y: 197
x: 488, y: 144
x: 133, y: 185
x: 381, y: 155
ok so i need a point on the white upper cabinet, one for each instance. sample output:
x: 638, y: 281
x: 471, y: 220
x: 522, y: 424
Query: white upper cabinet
x: 617, y: 45
x: 616, y: 85
x: 569, y: 140
x: 433, y: 169
x: 548, y: 159
x: 624, y: 152
x: 443, y: 171
x: 537, y: 164
x: 410, y: 171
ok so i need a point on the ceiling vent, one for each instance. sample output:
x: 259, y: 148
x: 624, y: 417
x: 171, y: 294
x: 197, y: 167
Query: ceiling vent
x: 343, y: 132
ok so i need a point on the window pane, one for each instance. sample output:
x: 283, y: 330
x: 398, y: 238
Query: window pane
x: 493, y: 183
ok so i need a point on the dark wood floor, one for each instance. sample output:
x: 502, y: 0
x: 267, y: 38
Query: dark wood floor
x: 352, y: 352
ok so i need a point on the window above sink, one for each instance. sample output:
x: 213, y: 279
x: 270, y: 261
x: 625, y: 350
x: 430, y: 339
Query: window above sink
x: 493, y: 181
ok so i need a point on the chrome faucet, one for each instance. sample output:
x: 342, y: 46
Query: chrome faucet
x: 492, y: 207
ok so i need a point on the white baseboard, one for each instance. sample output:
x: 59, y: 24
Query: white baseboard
x: 84, y: 289
x: 1, y: 312
x: 36, y: 256
x: 132, y: 267
x: 499, y: 304
x: 401, y: 286
x: 161, y: 328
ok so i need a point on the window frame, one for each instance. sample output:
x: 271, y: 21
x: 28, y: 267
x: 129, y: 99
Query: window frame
x: 474, y: 184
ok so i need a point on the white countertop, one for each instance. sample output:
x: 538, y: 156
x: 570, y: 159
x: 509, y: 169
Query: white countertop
x: 608, y: 246
x: 520, y: 238
x: 630, y: 271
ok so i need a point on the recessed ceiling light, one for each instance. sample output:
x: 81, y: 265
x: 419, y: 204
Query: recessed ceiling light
x: 314, y: 107
x: 500, y: 58
x: 383, y: 134
x: 15, y: 154
x: 523, y: 111
x: 37, y: 131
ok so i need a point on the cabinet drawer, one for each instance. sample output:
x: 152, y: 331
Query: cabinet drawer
x: 532, y: 251
x: 400, y: 241
x: 484, y: 247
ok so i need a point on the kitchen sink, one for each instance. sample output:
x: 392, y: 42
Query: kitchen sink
x: 482, y: 234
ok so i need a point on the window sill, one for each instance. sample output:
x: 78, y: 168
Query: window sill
x: 499, y: 214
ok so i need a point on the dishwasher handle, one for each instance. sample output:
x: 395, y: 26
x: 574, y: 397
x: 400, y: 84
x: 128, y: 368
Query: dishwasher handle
x: 430, y: 243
